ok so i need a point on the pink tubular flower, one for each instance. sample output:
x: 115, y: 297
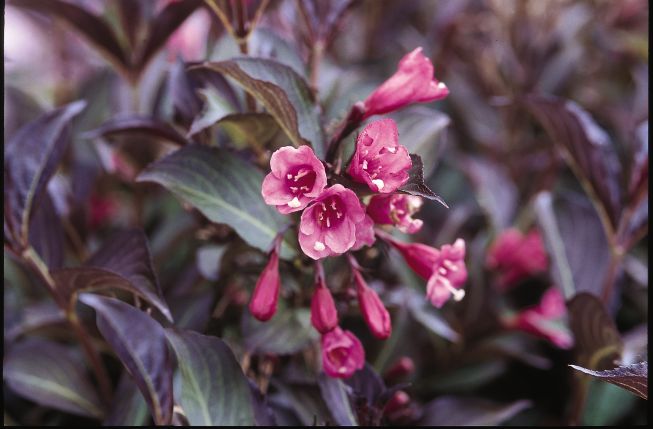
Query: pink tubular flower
x: 379, y: 160
x: 374, y: 312
x: 342, y: 353
x: 396, y: 209
x: 296, y: 179
x: 329, y: 225
x: 324, y: 316
x: 364, y: 234
x: 443, y: 269
x: 516, y: 256
x: 413, y: 82
x: 544, y: 320
x: 264, y: 300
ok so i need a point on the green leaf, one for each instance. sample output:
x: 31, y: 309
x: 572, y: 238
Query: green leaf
x: 335, y: 397
x: 225, y: 189
x: 252, y: 129
x: 128, y: 407
x: 50, y: 374
x: 283, y: 92
x: 216, y: 107
x: 214, y: 390
x: 286, y: 333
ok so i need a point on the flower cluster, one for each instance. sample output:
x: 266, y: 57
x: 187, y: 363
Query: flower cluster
x: 336, y: 220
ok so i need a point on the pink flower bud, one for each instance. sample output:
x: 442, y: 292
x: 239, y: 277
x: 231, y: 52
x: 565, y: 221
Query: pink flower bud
x: 396, y: 209
x: 374, y: 312
x: 329, y: 226
x: 342, y: 353
x: 443, y: 269
x: 516, y: 257
x: 324, y: 315
x: 402, y: 368
x: 397, y: 402
x: 413, y: 82
x: 379, y: 160
x: 189, y: 40
x: 264, y: 300
x: 544, y: 320
x: 296, y: 179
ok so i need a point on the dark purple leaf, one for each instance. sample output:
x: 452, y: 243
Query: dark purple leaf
x: 586, y: 147
x: 495, y: 191
x: 575, y: 240
x: 72, y: 281
x: 368, y: 385
x: 597, y: 342
x: 51, y: 374
x: 214, y: 390
x: 127, y: 253
x: 416, y: 185
x: 140, y: 344
x: 633, y: 378
x: 184, y: 85
x: 34, y: 317
x: 162, y: 27
x: 31, y: 157
x: 131, y: 18
x: 263, y: 414
x: 138, y: 124
x: 128, y: 407
x: 334, y: 393
x: 288, y: 332
x: 93, y: 28
x: 284, y: 94
x: 469, y: 411
x: 46, y: 233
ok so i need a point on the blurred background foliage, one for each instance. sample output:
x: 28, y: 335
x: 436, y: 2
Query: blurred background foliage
x: 498, y: 150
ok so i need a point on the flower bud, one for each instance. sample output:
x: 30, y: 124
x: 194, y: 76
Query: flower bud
x: 342, y: 353
x: 264, y: 300
x: 402, y: 368
x: 324, y: 316
x: 374, y: 312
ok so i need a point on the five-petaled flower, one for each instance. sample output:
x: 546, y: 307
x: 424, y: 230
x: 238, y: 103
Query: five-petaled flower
x: 379, y: 160
x: 413, y: 82
x: 342, y: 353
x: 516, y: 256
x: 443, y: 269
x: 329, y: 225
x: 397, y: 210
x: 296, y: 179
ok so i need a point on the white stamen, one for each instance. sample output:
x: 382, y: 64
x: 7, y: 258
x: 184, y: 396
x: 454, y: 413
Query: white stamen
x: 301, y: 174
x: 441, y: 85
x: 319, y: 246
x: 364, y: 164
x: 294, y: 188
x: 379, y: 183
x: 338, y: 215
x: 392, y: 149
x: 289, y: 176
x: 333, y: 205
x: 323, y: 207
x: 328, y: 222
x: 304, y: 188
x: 457, y: 294
x: 442, y: 271
x: 450, y: 265
x: 294, y: 203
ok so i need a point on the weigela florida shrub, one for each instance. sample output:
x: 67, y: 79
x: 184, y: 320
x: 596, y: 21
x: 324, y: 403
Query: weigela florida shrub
x: 335, y: 220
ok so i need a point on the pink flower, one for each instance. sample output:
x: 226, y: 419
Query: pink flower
x: 329, y: 225
x: 374, y: 312
x: 379, y: 160
x: 342, y: 353
x: 102, y: 209
x: 297, y: 178
x: 324, y: 316
x: 516, y: 257
x: 413, y: 82
x: 402, y: 368
x: 364, y: 234
x: 544, y: 320
x: 264, y: 300
x: 396, y: 209
x: 443, y: 269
